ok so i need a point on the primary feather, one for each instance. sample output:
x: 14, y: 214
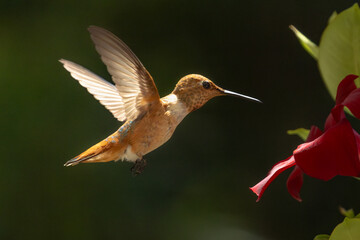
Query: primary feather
x: 133, y: 81
x: 105, y: 92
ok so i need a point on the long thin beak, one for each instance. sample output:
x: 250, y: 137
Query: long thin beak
x: 230, y: 93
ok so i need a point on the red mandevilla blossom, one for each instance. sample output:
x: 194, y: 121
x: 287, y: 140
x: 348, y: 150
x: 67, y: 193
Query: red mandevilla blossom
x: 326, y: 154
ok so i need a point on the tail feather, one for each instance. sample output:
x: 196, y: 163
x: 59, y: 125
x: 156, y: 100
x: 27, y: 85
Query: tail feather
x: 104, y: 151
x: 76, y: 160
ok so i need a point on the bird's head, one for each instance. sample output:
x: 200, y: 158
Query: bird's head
x: 195, y: 90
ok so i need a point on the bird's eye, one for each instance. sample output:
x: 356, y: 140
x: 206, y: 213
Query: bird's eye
x: 206, y: 84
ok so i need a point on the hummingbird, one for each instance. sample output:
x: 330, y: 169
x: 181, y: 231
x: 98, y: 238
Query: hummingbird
x: 149, y: 121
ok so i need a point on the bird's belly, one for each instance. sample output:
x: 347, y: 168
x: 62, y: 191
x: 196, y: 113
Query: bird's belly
x: 153, y: 135
x: 129, y: 155
x: 160, y: 139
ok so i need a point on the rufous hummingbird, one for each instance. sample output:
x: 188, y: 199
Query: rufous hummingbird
x: 150, y: 120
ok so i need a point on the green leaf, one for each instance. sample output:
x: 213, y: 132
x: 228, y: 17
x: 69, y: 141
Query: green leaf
x: 339, y: 49
x: 349, y: 229
x: 332, y: 17
x: 322, y: 237
x: 347, y: 213
x: 301, y: 132
x: 308, y: 45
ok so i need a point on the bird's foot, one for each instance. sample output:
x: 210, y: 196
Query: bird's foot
x: 138, y: 167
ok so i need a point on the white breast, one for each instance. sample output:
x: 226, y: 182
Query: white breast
x: 129, y: 155
x: 176, y: 109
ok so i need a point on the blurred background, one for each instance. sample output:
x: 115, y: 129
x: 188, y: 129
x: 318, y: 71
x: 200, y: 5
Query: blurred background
x: 196, y: 186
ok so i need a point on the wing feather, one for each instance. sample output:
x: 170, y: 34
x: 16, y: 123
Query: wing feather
x: 133, y: 81
x: 105, y: 92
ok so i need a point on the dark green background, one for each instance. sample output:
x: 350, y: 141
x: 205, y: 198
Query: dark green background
x: 196, y: 185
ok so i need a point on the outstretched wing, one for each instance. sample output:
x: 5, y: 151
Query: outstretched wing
x: 135, y: 84
x: 105, y: 92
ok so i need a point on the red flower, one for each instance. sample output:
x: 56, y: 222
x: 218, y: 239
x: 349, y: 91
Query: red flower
x: 326, y: 154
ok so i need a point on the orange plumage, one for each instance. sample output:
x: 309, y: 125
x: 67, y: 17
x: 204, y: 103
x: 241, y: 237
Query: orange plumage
x: 149, y: 120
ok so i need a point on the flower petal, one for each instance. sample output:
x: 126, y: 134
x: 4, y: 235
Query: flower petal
x: 295, y: 182
x: 315, y: 132
x: 278, y: 168
x: 335, y: 116
x: 346, y: 86
x: 333, y: 153
x: 352, y: 102
x: 348, y: 95
x: 357, y: 139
